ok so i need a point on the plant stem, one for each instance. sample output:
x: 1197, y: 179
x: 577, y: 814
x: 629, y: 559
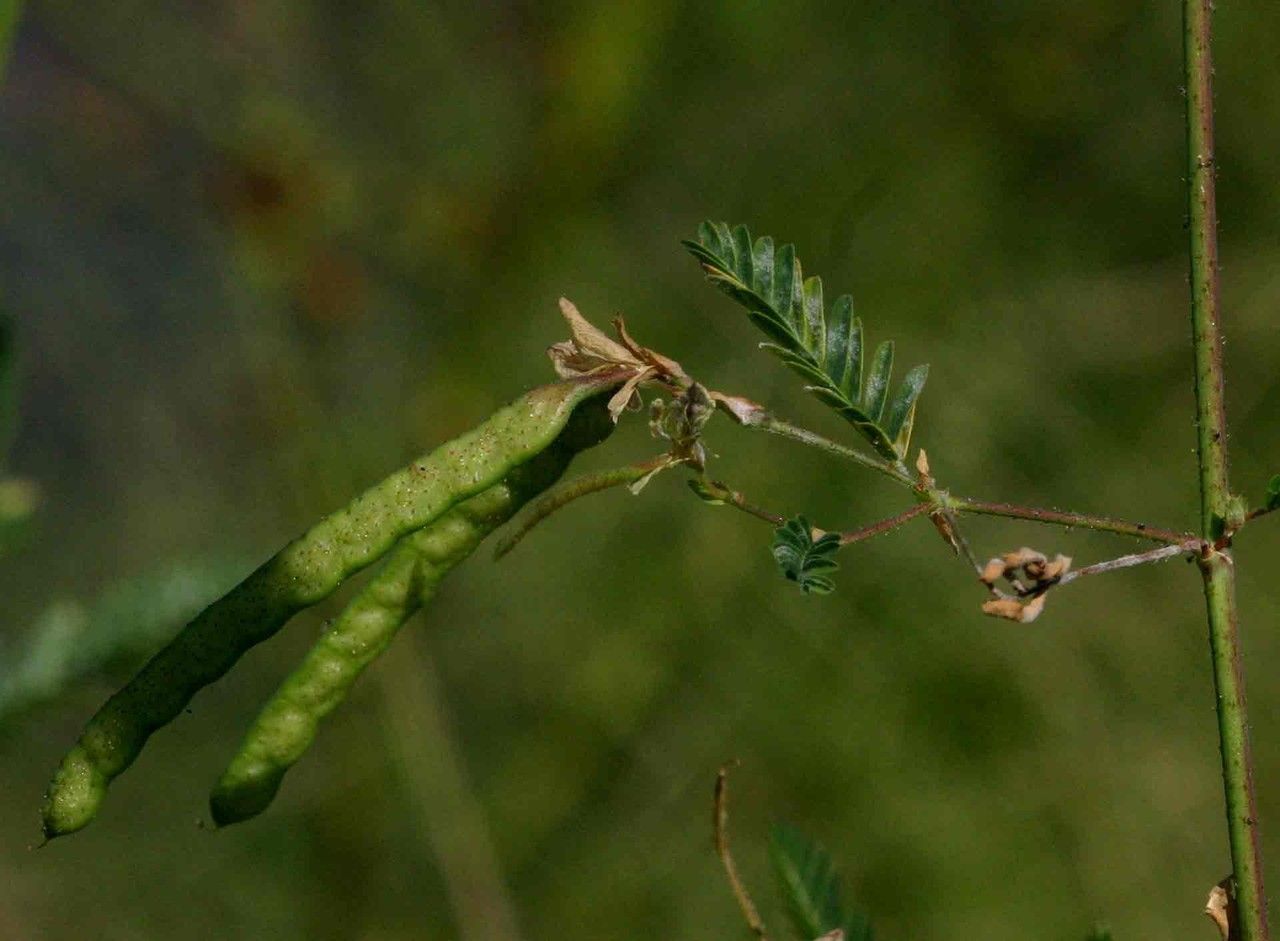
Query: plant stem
x: 1129, y: 561
x: 765, y: 421
x: 565, y: 492
x: 720, y: 824
x: 444, y: 809
x: 719, y: 491
x: 785, y: 429
x: 1066, y: 518
x: 883, y: 526
x: 1216, y: 566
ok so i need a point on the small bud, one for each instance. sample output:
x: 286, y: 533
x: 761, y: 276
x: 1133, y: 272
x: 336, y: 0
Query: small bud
x: 1057, y: 568
x: 942, y: 523
x: 993, y: 571
x: 1031, y: 610
x: 705, y: 493
x: 1008, y: 608
x: 1011, y: 609
x: 922, y: 463
x: 742, y: 410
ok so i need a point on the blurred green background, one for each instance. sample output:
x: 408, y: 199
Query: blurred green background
x: 261, y: 252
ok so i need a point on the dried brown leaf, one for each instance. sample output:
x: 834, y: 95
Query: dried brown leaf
x: 1221, y: 909
x: 663, y: 364
x: 625, y: 396
x: 922, y: 464
x: 740, y: 409
x: 942, y: 523
x: 592, y: 341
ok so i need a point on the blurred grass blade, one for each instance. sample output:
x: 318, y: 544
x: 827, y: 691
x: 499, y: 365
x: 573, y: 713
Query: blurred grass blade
x: 73, y: 641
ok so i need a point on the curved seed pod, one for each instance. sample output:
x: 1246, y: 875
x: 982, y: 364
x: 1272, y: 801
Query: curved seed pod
x: 301, y: 574
x: 288, y: 723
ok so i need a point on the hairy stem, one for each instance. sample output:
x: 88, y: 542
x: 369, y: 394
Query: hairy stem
x: 883, y: 526
x: 715, y: 490
x: 777, y: 426
x: 1217, y: 567
x: 1066, y: 518
x: 568, y: 491
x: 1260, y: 511
x: 720, y: 823
x: 1129, y: 561
x: 765, y: 421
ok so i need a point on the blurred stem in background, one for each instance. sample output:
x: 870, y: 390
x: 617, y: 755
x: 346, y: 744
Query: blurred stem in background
x: 18, y: 497
x: 9, y: 11
x: 445, y: 811
x: 1215, y: 493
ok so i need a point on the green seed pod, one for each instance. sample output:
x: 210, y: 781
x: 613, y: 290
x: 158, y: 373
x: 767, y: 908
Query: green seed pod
x: 304, y: 572
x: 288, y: 723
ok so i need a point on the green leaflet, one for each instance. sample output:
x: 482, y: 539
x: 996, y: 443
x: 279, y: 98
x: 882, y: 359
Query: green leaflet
x: 825, y: 349
x: 1273, y: 493
x: 808, y: 880
x: 803, y: 559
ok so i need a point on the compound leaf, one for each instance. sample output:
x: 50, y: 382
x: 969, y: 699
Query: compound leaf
x: 803, y: 559
x: 826, y: 349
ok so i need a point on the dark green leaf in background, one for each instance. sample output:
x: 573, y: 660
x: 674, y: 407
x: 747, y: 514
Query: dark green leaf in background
x: 809, y: 885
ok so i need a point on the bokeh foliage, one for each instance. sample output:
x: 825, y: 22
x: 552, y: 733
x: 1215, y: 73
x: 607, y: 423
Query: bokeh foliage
x: 259, y: 253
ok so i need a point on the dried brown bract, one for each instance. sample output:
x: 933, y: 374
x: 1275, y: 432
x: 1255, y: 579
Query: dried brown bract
x: 1221, y: 909
x: 590, y: 350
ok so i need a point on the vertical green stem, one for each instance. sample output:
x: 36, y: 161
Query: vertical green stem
x: 1217, y: 567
